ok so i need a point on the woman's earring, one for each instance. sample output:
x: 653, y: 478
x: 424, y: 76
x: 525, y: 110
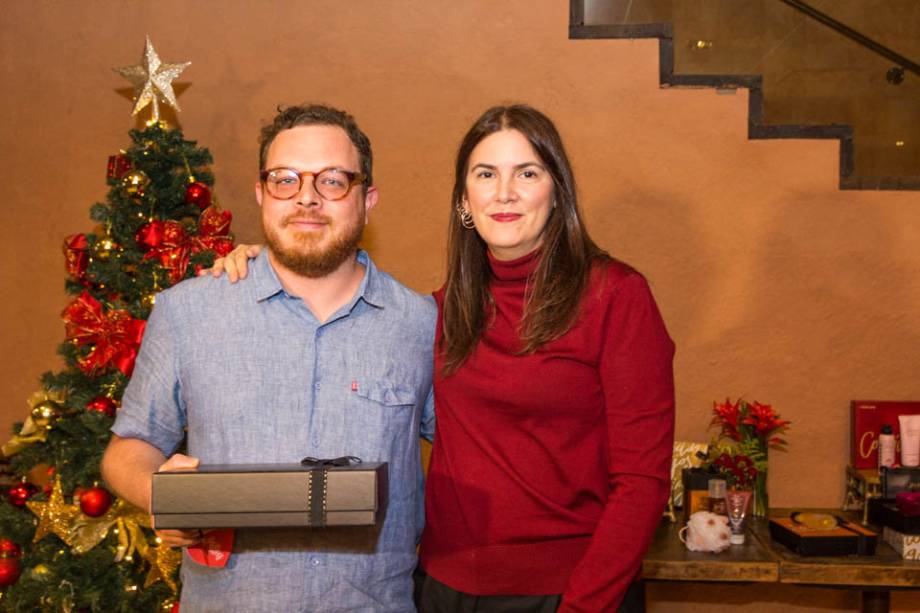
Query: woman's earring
x: 466, y: 219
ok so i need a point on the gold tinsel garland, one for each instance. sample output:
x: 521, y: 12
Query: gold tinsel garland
x: 81, y: 533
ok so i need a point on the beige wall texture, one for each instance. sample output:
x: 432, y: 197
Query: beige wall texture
x: 774, y: 284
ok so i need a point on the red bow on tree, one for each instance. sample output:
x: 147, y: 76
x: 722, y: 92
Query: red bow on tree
x: 214, y: 232
x: 171, y: 245
x: 114, y: 334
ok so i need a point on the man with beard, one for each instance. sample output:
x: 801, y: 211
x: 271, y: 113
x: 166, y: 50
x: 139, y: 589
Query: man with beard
x: 320, y: 354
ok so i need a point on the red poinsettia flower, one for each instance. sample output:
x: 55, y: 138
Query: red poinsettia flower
x: 754, y: 425
x: 727, y: 417
x: 765, y: 422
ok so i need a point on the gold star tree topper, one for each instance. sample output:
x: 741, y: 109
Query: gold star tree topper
x: 152, y: 80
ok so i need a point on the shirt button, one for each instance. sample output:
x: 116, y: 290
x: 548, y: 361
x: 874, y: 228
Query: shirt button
x: 316, y: 439
x: 316, y: 385
x: 315, y: 561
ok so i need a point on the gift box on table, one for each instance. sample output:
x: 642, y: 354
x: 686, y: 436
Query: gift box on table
x: 844, y: 539
x: 270, y: 495
x: 866, y: 420
x: 908, y: 545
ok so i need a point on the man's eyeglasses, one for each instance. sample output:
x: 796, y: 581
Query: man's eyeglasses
x: 330, y: 183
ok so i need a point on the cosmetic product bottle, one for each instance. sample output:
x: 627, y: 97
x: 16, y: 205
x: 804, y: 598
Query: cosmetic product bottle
x: 910, y: 440
x: 886, y: 447
x: 717, y: 497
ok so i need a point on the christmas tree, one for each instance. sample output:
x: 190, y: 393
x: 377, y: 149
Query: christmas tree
x: 73, y: 545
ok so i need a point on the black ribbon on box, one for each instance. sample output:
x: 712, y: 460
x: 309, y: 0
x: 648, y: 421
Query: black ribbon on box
x: 345, y: 460
x: 318, y: 483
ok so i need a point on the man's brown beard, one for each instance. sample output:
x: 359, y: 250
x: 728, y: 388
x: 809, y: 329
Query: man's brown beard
x: 303, y: 258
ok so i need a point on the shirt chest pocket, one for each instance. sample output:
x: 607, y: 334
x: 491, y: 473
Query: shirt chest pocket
x: 386, y: 404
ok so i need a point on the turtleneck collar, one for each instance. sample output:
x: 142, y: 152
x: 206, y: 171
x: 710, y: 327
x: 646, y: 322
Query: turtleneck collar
x: 514, y: 270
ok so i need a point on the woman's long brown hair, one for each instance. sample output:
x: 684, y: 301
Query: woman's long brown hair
x: 555, y: 287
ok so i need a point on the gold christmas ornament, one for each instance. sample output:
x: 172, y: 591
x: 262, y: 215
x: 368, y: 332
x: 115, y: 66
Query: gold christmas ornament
x: 135, y: 182
x: 152, y: 81
x: 104, y: 248
x: 42, y: 572
x: 30, y: 431
x: 45, y: 413
x: 54, y: 515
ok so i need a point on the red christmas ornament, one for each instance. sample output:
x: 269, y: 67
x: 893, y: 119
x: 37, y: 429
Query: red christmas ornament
x: 19, y: 493
x: 150, y: 235
x: 175, y: 607
x: 95, y: 501
x: 118, y: 165
x: 9, y: 571
x: 76, y: 255
x: 198, y: 194
x: 9, y: 549
x: 102, y: 404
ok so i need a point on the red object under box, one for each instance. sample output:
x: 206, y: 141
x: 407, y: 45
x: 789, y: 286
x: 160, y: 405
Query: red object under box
x: 867, y: 418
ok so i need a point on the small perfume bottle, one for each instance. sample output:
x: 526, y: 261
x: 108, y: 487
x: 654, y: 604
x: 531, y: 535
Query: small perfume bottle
x: 717, y: 497
x: 886, y: 445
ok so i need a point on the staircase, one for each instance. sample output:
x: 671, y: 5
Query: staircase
x: 837, y: 69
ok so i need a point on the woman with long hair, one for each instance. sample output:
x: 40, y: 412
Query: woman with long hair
x: 553, y: 391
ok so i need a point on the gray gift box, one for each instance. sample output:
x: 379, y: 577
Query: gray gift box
x: 270, y: 495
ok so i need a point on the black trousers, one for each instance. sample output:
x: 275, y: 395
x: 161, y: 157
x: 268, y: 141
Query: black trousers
x: 432, y: 596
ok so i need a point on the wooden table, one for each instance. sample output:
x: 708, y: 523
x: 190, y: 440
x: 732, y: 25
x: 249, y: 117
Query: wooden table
x: 762, y: 561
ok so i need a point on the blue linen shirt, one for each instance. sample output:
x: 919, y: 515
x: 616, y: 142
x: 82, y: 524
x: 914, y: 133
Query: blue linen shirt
x: 254, y: 377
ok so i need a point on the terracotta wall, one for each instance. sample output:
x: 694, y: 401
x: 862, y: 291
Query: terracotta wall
x: 774, y: 284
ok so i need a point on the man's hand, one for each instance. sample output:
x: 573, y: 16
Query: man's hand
x: 235, y: 264
x: 178, y: 538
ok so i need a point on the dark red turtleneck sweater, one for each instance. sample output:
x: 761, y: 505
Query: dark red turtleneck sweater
x: 550, y: 471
